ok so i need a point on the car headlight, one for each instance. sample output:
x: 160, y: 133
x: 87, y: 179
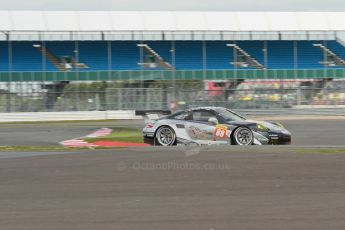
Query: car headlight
x: 261, y: 127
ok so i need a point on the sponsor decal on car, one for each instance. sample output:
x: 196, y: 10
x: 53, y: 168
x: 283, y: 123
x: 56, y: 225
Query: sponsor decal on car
x: 221, y: 132
x: 197, y: 133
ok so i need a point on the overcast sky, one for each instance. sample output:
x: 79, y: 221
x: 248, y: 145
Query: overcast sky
x: 203, y: 5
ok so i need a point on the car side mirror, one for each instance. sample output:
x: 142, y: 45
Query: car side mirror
x: 213, y: 120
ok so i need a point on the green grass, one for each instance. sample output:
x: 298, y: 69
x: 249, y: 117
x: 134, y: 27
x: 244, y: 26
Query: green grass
x: 41, y: 148
x: 321, y: 151
x: 120, y: 134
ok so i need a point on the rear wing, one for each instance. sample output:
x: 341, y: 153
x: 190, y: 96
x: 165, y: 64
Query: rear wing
x: 146, y: 112
x: 152, y: 114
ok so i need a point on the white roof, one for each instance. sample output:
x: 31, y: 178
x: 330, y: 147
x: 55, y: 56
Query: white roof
x: 78, y: 21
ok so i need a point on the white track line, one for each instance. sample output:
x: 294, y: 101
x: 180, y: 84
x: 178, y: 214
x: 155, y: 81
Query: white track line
x: 79, y: 142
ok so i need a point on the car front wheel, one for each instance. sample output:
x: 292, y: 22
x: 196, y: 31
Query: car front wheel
x: 243, y: 136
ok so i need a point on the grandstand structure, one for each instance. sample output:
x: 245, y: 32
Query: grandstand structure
x: 45, y: 50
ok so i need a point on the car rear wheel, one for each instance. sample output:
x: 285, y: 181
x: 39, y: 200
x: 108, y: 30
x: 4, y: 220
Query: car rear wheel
x: 165, y: 136
x: 243, y: 136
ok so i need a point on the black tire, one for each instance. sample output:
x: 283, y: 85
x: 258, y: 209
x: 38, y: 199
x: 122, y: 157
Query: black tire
x: 242, y: 136
x: 165, y: 136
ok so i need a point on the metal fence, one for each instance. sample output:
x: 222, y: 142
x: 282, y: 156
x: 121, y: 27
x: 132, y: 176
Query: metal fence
x: 109, y: 98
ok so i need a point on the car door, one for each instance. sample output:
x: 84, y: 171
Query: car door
x: 199, y: 128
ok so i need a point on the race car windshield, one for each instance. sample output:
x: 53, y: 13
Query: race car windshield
x: 229, y: 115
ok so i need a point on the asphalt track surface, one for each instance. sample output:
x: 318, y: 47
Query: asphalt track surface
x: 304, y: 132
x: 175, y: 188
x: 231, y: 187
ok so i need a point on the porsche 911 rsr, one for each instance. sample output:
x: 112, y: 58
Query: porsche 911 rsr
x: 213, y: 125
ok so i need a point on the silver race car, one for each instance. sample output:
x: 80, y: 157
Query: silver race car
x: 213, y: 125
